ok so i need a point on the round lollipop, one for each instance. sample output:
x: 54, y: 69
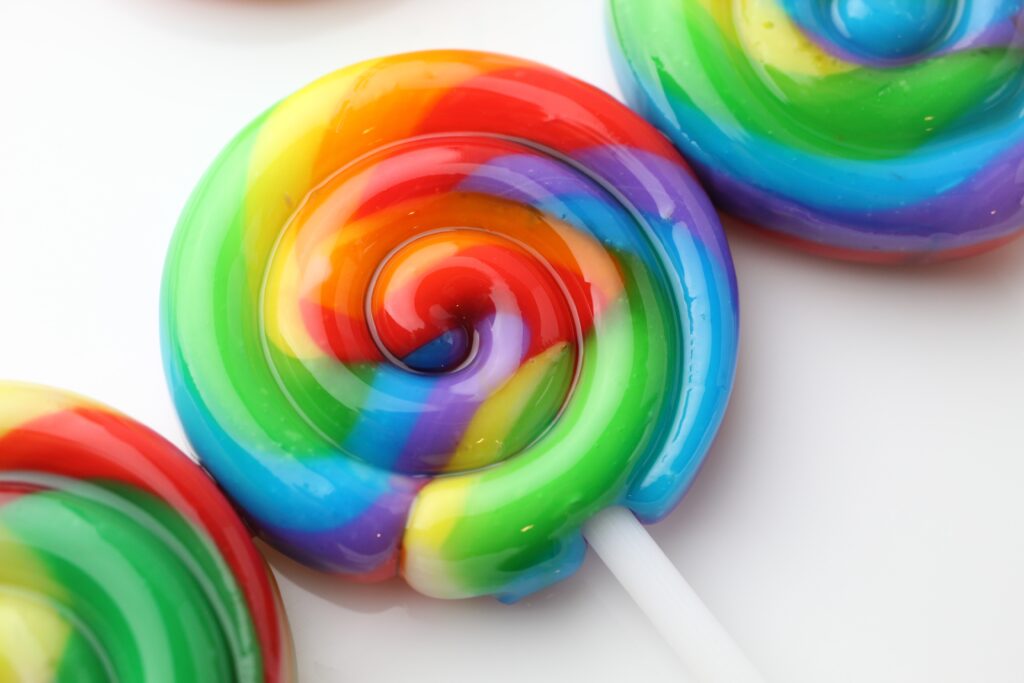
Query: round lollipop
x: 434, y: 312
x: 874, y: 130
x: 120, y: 559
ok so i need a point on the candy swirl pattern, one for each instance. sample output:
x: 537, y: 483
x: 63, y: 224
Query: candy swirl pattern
x: 119, y: 558
x: 876, y: 130
x: 432, y: 312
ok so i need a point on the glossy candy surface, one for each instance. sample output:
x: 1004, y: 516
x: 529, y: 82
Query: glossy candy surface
x: 878, y: 130
x: 120, y: 559
x: 432, y: 312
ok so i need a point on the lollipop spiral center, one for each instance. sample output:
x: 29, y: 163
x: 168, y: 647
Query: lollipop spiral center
x: 489, y: 331
x: 892, y: 29
x: 420, y: 319
x: 436, y: 299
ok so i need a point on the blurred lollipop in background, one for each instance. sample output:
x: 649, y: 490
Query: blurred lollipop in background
x: 119, y: 558
x: 874, y: 130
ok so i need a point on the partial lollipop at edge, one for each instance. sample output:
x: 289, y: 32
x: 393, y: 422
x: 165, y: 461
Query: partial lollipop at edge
x: 879, y: 131
x: 119, y: 558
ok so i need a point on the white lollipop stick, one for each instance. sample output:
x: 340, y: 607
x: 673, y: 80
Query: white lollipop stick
x: 706, y: 650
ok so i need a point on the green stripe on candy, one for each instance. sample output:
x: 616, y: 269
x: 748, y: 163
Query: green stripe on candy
x: 317, y: 383
x: 891, y: 113
x: 139, y: 582
x: 542, y: 405
x: 219, y: 313
x: 613, y: 414
x: 867, y: 113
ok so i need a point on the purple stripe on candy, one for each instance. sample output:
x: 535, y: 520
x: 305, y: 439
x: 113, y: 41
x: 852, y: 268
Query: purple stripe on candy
x: 503, y: 341
x: 362, y: 545
x: 985, y: 207
x: 508, y: 177
x: 650, y: 183
x: 653, y: 185
x: 1002, y: 34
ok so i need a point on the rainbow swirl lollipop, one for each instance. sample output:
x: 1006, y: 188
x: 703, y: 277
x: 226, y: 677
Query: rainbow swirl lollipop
x: 120, y: 559
x: 434, y: 311
x: 878, y: 130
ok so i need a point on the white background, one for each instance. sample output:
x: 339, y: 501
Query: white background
x: 861, y: 516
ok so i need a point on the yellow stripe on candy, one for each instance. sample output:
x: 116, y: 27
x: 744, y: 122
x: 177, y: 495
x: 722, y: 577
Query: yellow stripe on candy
x: 334, y: 121
x: 484, y: 438
x: 772, y: 39
x: 281, y: 168
x: 290, y: 140
x: 313, y: 133
x: 32, y: 633
x: 280, y: 174
x: 32, y: 638
x: 298, y: 261
x: 434, y: 514
x: 32, y: 403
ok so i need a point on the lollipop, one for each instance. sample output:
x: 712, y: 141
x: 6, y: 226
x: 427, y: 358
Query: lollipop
x: 872, y: 130
x: 120, y: 559
x: 434, y: 312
